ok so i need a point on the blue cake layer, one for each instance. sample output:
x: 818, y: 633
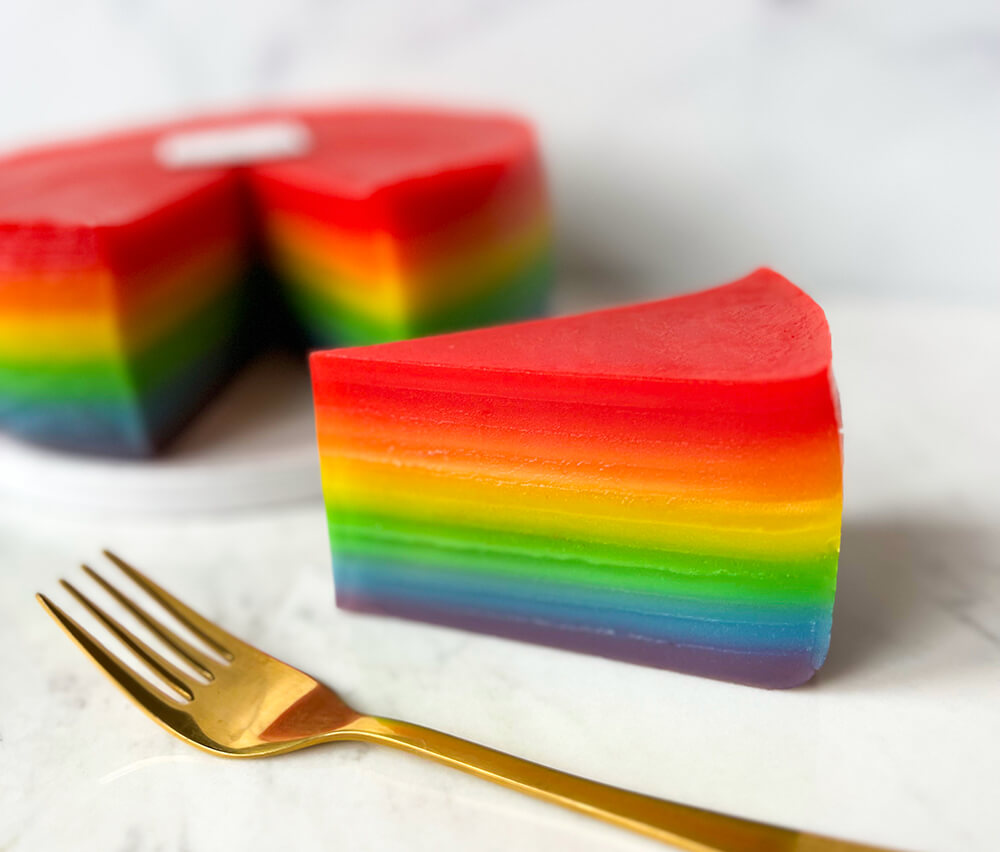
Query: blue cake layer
x: 701, y: 623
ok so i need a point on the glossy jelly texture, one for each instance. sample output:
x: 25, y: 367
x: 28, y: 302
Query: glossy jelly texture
x: 658, y: 483
x: 124, y: 297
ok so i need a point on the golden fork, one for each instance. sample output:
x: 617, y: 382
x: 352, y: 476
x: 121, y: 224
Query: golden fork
x: 248, y: 704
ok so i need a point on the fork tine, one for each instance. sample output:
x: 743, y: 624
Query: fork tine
x: 189, y: 654
x: 213, y: 635
x: 142, y: 692
x: 162, y: 666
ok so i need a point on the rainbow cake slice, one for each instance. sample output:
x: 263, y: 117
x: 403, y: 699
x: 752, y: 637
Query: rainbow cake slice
x: 124, y: 297
x: 659, y: 483
x: 120, y: 290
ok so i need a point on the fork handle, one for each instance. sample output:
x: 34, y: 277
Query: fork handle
x: 685, y: 827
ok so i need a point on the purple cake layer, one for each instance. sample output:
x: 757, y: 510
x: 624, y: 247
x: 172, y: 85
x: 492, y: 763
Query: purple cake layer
x: 771, y: 671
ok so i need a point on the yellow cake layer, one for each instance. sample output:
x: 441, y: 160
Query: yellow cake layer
x: 710, y: 525
x: 384, y: 287
x: 155, y: 303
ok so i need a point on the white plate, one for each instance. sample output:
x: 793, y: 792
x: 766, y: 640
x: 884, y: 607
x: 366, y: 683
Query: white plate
x: 254, y: 445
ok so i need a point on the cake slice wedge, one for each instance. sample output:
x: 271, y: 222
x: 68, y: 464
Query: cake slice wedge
x: 658, y: 483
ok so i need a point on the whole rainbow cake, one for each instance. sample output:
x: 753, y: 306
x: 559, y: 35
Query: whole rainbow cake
x: 659, y: 483
x: 130, y: 286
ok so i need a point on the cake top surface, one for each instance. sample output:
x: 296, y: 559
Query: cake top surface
x: 358, y: 151
x: 354, y: 152
x: 760, y: 328
x: 95, y: 183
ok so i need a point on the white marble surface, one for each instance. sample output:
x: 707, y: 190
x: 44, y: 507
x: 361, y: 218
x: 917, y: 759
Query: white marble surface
x: 849, y: 143
x: 895, y: 742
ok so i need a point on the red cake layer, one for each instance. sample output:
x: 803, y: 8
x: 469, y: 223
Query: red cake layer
x: 110, y: 180
x: 769, y: 356
x: 411, y: 176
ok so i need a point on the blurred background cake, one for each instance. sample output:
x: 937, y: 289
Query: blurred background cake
x: 132, y: 284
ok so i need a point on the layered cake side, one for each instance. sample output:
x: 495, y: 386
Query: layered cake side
x: 120, y: 291
x: 398, y: 225
x: 658, y: 483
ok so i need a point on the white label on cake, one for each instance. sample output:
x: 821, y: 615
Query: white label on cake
x: 235, y: 145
